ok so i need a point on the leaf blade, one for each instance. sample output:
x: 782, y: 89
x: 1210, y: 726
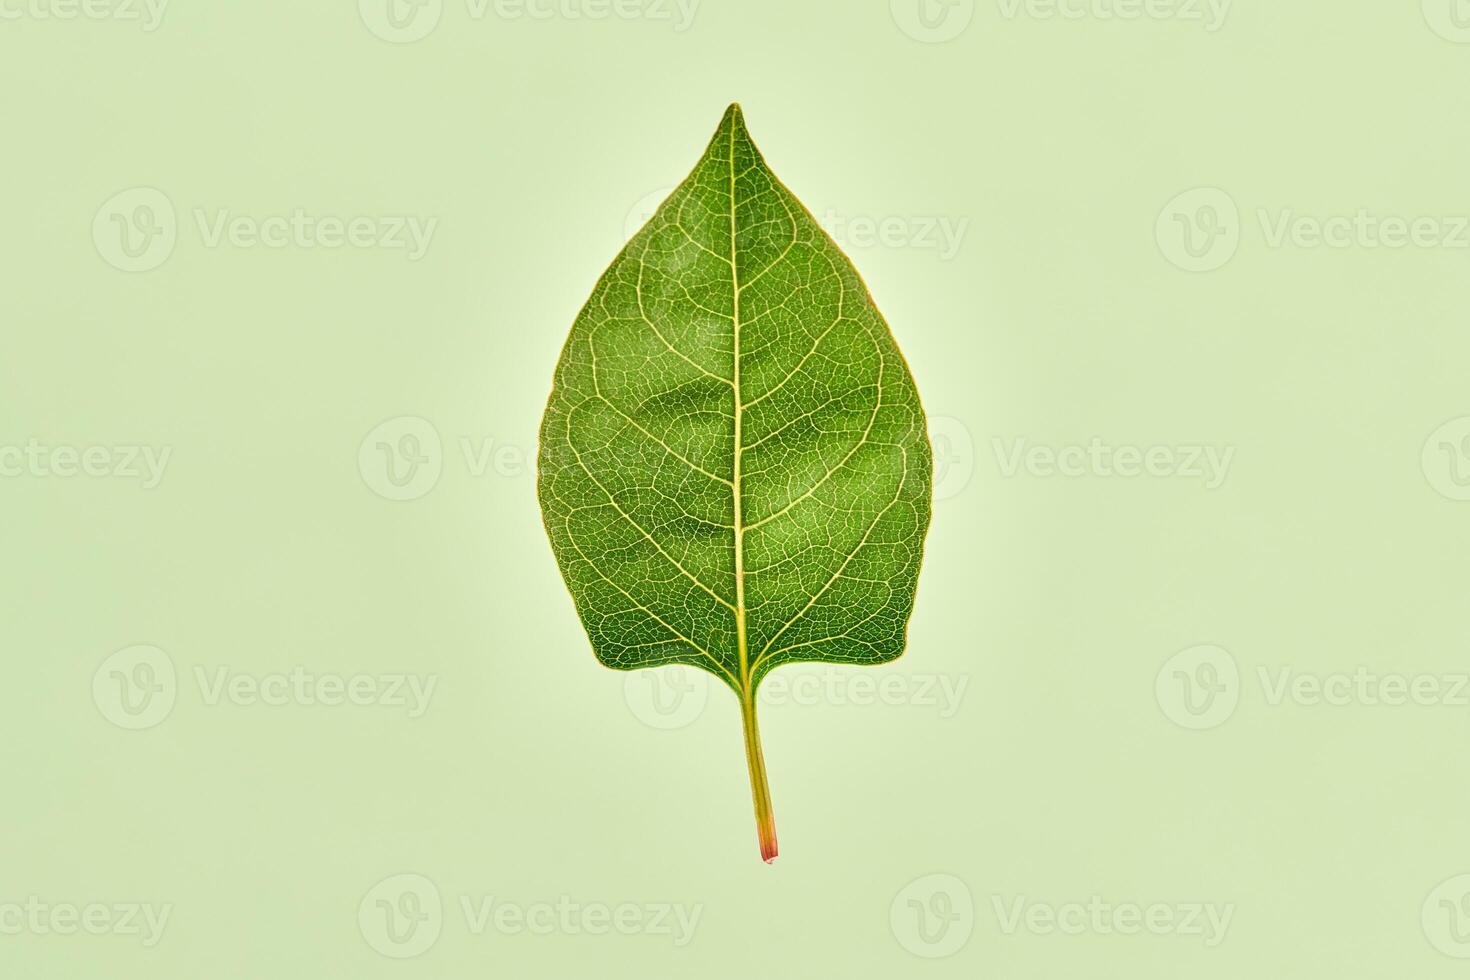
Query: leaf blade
x: 734, y: 466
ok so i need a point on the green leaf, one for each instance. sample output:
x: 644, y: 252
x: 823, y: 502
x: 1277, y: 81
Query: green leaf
x: 734, y: 469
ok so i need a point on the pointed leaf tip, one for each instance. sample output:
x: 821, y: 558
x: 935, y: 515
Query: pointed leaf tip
x: 734, y: 116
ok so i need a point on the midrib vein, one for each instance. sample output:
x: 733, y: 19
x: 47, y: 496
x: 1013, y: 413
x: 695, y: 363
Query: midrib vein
x: 739, y: 522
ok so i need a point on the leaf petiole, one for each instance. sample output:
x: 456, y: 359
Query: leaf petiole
x: 760, y: 788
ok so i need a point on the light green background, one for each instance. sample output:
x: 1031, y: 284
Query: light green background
x: 1062, y: 316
